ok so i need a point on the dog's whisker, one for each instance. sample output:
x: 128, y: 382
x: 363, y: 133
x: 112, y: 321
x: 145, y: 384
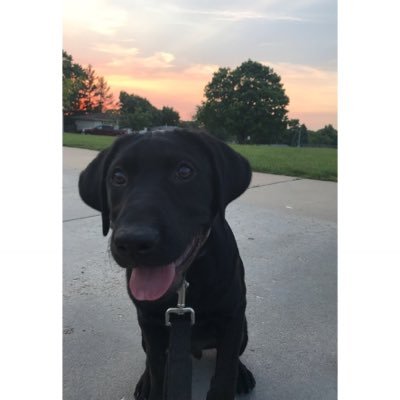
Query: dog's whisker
x: 111, y: 262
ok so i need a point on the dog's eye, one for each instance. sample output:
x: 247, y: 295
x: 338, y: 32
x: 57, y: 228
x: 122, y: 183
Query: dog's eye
x: 184, y: 171
x: 118, y: 178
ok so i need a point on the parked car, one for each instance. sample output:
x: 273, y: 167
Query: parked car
x: 128, y: 131
x: 107, y: 130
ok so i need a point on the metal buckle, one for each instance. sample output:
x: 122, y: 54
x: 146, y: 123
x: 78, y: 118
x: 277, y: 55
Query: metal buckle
x: 180, y: 309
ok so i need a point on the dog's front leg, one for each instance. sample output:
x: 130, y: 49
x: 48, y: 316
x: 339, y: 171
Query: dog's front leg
x: 156, y: 342
x: 229, y: 339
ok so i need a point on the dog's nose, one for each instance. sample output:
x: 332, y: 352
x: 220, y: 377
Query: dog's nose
x: 136, y: 239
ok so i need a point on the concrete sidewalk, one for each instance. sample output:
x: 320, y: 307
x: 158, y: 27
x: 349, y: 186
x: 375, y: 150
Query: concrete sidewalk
x: 287, y: 235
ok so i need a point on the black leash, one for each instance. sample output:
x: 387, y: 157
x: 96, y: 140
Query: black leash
x: 178, y: 374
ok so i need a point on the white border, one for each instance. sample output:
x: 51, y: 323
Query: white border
x: 31, y: 200
x: 369, y: 201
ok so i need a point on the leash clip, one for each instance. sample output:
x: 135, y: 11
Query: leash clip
x: 180, y: 309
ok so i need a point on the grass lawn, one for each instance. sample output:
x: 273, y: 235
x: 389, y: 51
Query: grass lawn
x: 311, y: 163
x: 91, y: 142
x: 304, y: 162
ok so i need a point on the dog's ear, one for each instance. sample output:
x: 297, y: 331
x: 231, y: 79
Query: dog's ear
x: 92, y: 180
x: 92, y: 186
x: 232, y: 172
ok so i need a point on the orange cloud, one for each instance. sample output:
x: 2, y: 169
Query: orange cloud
x: 182, y: 90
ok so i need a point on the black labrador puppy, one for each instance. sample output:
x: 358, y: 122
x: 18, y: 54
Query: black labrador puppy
x: 164, y: 196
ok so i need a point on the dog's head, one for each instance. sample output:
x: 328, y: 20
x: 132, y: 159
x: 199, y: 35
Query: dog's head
x: 160, y: 192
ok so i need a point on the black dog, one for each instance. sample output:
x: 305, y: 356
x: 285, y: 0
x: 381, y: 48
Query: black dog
x: 164, y: 195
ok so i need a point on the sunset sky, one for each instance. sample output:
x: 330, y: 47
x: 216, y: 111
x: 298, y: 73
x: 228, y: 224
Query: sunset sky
x: 167, y: 51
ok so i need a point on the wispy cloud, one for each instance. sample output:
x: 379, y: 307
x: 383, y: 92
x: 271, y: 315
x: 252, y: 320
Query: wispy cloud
x: 116, y: 49
x: 127, y: 59
x: 159, y: 60
x: 310, y: 89
x: 201, y: 70
x: 244, y: 15
x: 230, y: 15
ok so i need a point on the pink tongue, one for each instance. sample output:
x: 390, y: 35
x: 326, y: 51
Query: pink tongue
x: 151, y: 283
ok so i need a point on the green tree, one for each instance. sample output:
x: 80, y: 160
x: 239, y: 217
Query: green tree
x: 105, y: 99
x: 89, y: 101
x: 74, y: 77
x: 247, y: 104
x: 189, y: 124
x: 169, y: 116
x: 137, y: 112
x: 296, y: 134
x: 131, y: 103
x: 330, y: 134
x: 327, y: 136
x: 303, y: 135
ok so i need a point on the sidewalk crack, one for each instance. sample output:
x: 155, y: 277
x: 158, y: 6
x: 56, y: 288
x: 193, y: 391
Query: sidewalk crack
x: 276, y: 183
x: 78, y: 218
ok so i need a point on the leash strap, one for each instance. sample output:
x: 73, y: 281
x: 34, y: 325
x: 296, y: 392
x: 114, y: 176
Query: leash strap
x: 178, y: 374
x: 178, y: 378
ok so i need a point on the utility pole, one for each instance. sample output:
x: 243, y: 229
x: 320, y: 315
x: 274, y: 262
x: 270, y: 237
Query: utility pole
x: 298, y: 137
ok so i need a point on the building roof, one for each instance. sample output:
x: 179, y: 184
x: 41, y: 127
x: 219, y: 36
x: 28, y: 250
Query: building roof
x: 96, y: 117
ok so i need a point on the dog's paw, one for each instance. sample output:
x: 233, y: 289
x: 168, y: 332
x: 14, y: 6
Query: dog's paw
x: 142, y: 390
x: 245, y: 380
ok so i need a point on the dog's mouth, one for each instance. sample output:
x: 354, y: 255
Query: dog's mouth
x: 152, y: 283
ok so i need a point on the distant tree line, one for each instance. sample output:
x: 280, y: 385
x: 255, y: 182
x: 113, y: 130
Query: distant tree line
x: 137, y: 112
x: 247, y: 104
x: 297, y: 134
